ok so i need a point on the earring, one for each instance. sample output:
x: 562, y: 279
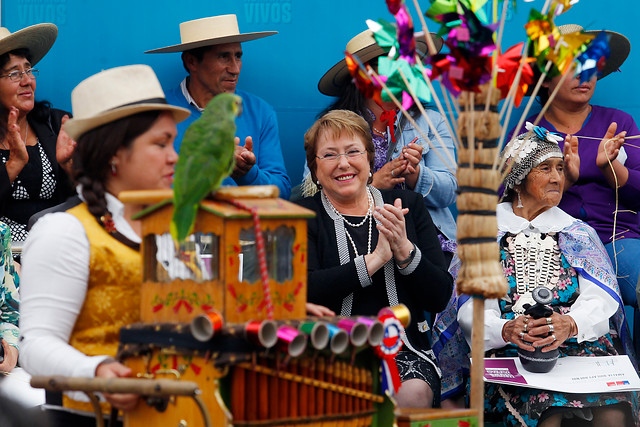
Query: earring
x: 519, y: 205
x: 318, y: 185
x: 114, y: 171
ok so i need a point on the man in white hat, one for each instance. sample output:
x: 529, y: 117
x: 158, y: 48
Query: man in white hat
x: 212, y: 55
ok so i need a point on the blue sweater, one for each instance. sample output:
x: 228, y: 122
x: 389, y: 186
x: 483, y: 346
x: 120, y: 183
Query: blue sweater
x: 258, y: 120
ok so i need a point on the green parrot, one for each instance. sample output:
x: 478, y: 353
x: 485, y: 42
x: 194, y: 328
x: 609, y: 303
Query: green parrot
x: 206, y: 158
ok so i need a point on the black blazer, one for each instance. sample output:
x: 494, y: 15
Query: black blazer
x: 428, y: 287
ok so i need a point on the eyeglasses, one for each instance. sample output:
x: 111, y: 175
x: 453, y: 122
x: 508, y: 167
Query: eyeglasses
x: 16, y: 76
x: 333, y: 157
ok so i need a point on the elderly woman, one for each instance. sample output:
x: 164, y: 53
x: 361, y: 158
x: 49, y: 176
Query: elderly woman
x: 540, y: 245
x: 369, y: 249
x: 35, y: 153
x: 403, y: 159
x: 81, y: 266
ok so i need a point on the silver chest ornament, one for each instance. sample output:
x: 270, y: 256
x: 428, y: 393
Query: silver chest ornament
x: 537, y: 263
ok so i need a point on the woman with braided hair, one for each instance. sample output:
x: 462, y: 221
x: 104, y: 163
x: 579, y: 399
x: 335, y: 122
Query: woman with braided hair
x: 81, y: 266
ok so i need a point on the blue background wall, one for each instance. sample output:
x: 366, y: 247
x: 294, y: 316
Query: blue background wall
x: 283, y: 69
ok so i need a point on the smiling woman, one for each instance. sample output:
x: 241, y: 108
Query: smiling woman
x: 34, y: 151
x: 369, y: 249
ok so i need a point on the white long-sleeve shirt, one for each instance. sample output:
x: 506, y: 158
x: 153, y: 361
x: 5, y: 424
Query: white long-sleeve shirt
x: 591, y: 310
x: 55, y: 273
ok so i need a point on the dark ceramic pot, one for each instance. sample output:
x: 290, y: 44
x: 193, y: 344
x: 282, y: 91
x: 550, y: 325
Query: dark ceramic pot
x: 537, y: 361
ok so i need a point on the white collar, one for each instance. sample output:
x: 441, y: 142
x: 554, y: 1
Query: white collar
x: 550, y: 221
x: 187, y: 95
x: 116, y: 207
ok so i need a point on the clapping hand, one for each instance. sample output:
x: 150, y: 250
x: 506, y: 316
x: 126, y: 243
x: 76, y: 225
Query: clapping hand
x: 571, y: 161
x: 610, y: 146
x: 65, y: 146
x: 244, y: 156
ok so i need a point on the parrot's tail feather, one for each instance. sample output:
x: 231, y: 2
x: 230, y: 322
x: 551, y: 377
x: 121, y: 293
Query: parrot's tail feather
x: 182, y: 222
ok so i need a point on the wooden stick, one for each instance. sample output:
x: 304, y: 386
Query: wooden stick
x: 472, y: 127
x: 436, y: 99
x: 427, y: 35
x: 531, y: 99
x: 416, y: 101
x: 516, y: 81
x: 146, y: 387
x: 451, y: 100
x: 494, y: 70
x: 477, y: 356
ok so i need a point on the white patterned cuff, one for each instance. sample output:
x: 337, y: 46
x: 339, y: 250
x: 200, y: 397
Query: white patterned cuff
x: 411, y: 267
x: 363, y: 273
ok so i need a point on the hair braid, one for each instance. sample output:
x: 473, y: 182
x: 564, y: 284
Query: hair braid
x: 93, y: 193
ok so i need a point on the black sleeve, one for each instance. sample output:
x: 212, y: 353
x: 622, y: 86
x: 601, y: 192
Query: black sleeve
x: 430, y: 283
x: 328, y: 281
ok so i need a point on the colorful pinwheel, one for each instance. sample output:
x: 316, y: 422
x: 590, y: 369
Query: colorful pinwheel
x: 369, y: 87
x: 567, y: 47
x: 541, y: 31
x: 398, y: 61
x: 558, y: 7
x: 508, y: 64
x: 441, y: 7
x: 592, y: 60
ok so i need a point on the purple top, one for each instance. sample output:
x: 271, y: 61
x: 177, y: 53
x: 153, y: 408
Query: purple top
x: 591, y: 199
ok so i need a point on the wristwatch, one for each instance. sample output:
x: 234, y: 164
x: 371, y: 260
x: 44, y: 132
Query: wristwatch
x: 412, y: 254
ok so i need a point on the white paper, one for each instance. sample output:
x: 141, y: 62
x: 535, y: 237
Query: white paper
x: 571, y: 374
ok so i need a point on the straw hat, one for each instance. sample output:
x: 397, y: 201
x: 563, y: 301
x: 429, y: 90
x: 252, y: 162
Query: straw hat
x: 116, y: 93
x: 619, y: 45
x: 364, y: 46
x: 211, y: 31
x: 37, y: 38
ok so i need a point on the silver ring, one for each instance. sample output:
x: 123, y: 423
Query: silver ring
x: 521, y: 334
x: 550, y: 328
x: 393, y: 173
x: 549, y: 320
x: 525, y: 327
x: 554, y: 337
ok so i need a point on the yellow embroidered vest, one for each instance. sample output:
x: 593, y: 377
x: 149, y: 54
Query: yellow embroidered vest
x: 113, y: 294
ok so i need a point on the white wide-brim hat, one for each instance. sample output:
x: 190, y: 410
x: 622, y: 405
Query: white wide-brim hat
x: 37, y: 38
x: 114, y: 94
x: 364, y: 46
x: 619, y: 45
x: 211, y: 31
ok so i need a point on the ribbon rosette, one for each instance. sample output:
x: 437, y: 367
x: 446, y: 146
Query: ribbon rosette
x: 387, y: 351
x: 543, y: 133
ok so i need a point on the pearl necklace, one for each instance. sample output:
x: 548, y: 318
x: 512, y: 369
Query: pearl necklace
x: 379, y: 131
x: 368, y: 216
